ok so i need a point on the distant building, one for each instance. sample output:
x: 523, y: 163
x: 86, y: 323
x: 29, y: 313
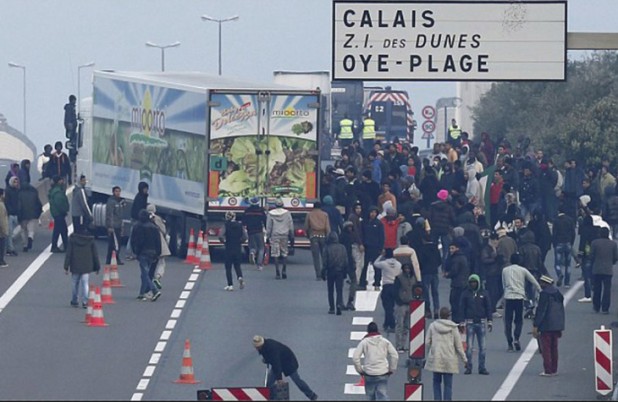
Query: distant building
x: 470, y: 94
x: 15, y: 147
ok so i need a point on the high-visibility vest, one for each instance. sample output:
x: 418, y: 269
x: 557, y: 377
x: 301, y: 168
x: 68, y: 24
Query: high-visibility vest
x: 346, y: 132
x: 369, y: 129
x: 454, y: 132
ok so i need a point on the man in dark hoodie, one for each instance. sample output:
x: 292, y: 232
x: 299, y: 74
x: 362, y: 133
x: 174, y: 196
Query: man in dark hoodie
x: 81, y: 259
x: 457, y: 270
x: 531, y: 260
x: 30, y: 209
x: 254, y: 220
x: 348, y: 238
x: 70, y: 118
x: 139, y: 202
x: 476, y: 315
x: 24, y: 171
x: 146, y: 243
x: 58, y: 208
x: 373, y: 240
x: 233, y: 235
x: 442, y: 219
x: 11, y: 201
x: 335, y: 267
x: 549, y: 322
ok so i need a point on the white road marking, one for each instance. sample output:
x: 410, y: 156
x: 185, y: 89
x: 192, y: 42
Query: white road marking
x: 170, y: 324
x: 194, y: 277
x: 189, y: 285
x: 354, y: 389
x: 185, y: 295
x: 180, y: 303
x: 518, y: 369
x: 361, y: 320
x: 176, y: 313
x: 160, y: 346
x: 165, y: 335
x: 366, y: 300
x: 143, y: 384
x: 154, y: 358
x: 149, y: 371
x: 357, y: 335
x: 351, y: 352
x: 350, y: 370
x: 137, y: 396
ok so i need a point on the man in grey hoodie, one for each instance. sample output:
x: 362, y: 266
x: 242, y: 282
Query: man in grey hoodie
x: 380, y: 361
x: 279, y: 229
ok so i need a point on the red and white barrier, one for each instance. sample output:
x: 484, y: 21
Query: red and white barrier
x: 240, y: 394
x: 413, y: 392
x: 417, y: 329
x: 603, y: 367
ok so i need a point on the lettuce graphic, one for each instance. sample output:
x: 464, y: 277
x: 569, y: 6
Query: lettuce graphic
x: 236, y: 183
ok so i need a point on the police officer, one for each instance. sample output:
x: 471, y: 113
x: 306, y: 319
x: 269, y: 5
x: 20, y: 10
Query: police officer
x: 454, y: 134
x: 369, y: 132
x: 346, y: 132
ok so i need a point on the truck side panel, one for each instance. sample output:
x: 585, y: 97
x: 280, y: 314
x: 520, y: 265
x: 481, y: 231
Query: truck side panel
x: 150, y: 133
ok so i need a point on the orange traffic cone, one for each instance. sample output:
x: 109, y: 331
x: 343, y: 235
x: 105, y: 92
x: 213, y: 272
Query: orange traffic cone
x: 113, y: 261
x: 186, y: 371
x: 191, y: 248
x: 199, y: 249
x: 361, y: 382
x: 114, y: 276
x: 90, y: 308
x: 205, y: 262
x: 106, y: 292
x: 97, y: 319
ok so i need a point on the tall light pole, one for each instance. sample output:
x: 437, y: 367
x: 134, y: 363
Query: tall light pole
x: 79, y: 80
x: 11, y: 64
x: 162, y: 47
x: 220, y: 21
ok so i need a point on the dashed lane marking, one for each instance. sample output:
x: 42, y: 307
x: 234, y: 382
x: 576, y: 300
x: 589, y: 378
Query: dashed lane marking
x: 165, y: 336
x: 361, y: 320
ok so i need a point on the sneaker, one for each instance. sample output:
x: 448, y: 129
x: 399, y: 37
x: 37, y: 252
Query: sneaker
x: 401, y: 350
x: 141, y: 297
x: 468, y: 371
x: 350, y: 306
x: 252, y: 258
x: 284, y: 275
x: 278, y: 276
x: 155, y: 296
x: 157, y: 283
x: 4, y: 265
x: 314, y: 397
x: 510, y: 348
x: 84, y: 305
x: 544, y: 374
x: 604, y: 312
x: 229, y: 288
x: 484, y: 372
x: 12, y: 253
x: 376, y: 288
x: 517, y: 346
x: 74, y: 304
x: 585, y: 300
x: 428, y: 314
x: 57, y: 250
x: 128, y: 258
x: 331, y: 311
x: 260, y: 268
x: 242, y: 282
x: 496, y: 315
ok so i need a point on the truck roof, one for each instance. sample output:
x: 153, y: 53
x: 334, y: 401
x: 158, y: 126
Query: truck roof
x: 191, y: 79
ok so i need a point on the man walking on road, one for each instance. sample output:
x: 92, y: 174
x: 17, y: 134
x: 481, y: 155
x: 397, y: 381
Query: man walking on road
x: 549, y: 323
x: 113, y: 222
x: 335, y: 260
x: 279, y: 230
x: 380, y: 361
x: 4, y: 229
x: 317, y: 226
x: 81, y: 259
x: 514, y: 279
x: 254, y: 219
x: 30, y: 210
x: 80, y: 211
x: 281, y: 360
x: 233, y: 235
x: 146, y: 244
x: 476, y: 314
x: 604, y: 255
x: 563, y: 236
x: 58, y: 208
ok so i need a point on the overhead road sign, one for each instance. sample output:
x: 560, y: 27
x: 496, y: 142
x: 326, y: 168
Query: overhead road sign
x: 449, y: 41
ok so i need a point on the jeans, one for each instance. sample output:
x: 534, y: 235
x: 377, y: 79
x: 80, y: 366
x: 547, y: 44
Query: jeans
x: 370, y: 256
x: 549, y: 350
x: 602, y: 292
x: 302, y: 385
x: 587, y: 274
x: 317, y: 248
x: 80, y: 288
x: 388, y: 303
x: 13, y: 223
x: 480, y: 331
x: 437, y: 386
x: 445, y: 239
x: 430, y: 283
x: 376, y: 387
x: 402, y: 325
x: 513, y: 310
x: 334, y: 282
x: 359, y: 259
x: 232, y: 258
x: 562, y: 257
x: 256, y: 247
x: 60, y: 230
x: 2, y: 249
x: 113, y: 244
x: 144, y: 266
x: 455, y: 301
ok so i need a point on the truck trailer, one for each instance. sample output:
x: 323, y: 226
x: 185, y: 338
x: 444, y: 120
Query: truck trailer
x: 204, y: 144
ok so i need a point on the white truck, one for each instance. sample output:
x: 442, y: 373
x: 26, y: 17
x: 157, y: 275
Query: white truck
x: 204, y: 144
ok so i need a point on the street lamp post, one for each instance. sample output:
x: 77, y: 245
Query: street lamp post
x: 79, y: 79
x: 219, y: 21
x: 162, y: 47
x: 11, y: 64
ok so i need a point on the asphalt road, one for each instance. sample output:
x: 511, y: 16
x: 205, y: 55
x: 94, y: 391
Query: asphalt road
x: 49, y: 354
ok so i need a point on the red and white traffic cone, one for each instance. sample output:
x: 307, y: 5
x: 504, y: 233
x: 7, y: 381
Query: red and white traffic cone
x: 205, y: 262
x: 191, y: 248
x: 106, y: 292
x: 199, y: 250
x: 97, y: 319
x: 186, y: 370
x: 90, y: 308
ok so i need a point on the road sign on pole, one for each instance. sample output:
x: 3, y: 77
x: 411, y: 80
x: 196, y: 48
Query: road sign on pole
x: 429, y: 112
x: 603, y: 366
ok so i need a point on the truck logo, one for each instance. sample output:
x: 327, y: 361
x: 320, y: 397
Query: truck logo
x: 147, y: 120
x: 289, y: 113
x: 234, y: 114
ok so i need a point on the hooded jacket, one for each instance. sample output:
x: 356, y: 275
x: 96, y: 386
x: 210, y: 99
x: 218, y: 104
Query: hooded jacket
x: 475, y: 303
x: 335, y: 256
x: 457, y: 269
x: 82, y: 256
x: 254, y: 219
x: 531, y: 254
x: 29, y: 204
x: 279, y: 223
x: 381, y: 357
x: 390, y: 269
x: 550, y: 314
x: 444, y: 343
x: 79, y: 203
x: 145, y: 239
x: 373, y: 234
x: 24, y: 171
x: 442, y: 217
x: 280, y: 357
x: 58, y: 201
x: 140, y: 201
x: 11, y: 200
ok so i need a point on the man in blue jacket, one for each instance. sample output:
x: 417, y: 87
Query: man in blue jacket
x: 373, y: 240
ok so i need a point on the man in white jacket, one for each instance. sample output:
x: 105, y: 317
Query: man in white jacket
x: 379, y: 363
x: 279, y: 230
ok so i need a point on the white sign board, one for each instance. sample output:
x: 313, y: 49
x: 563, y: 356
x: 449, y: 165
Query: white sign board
x: 457, y: 41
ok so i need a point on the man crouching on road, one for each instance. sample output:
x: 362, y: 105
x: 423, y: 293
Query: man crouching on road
x: 281, y: 360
